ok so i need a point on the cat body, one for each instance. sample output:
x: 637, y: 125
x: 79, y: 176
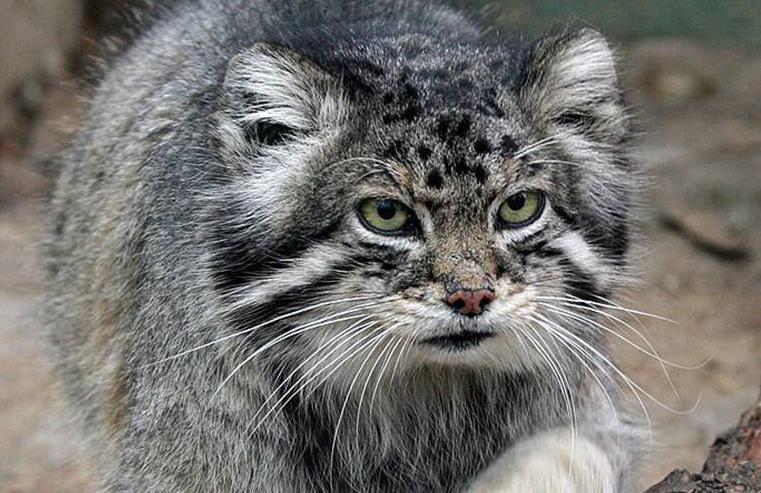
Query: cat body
x: 232, y: 304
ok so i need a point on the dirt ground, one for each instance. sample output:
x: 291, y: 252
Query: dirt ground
x: 700, y: 110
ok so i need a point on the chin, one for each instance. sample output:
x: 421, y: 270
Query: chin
x: 499, y: 350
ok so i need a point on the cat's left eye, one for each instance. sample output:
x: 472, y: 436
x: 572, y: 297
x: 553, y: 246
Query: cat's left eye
x: 386, y: 216
x: 521, y: 209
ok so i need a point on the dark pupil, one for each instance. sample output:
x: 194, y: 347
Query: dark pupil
x: 516, y: 202
x: 386, y: 209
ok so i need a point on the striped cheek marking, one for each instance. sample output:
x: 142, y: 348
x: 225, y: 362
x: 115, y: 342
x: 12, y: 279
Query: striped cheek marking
x: 583, y: 256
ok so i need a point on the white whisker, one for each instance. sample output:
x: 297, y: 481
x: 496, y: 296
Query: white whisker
x: 259, y: 326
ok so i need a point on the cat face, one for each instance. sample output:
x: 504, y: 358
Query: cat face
x: 443, y: 207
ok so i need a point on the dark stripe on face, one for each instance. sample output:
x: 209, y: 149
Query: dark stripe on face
x: 480, y: 172
x: 580, y: 283
x: 238, y: 258
x: 290, y: 300
x: 536, y: 246
x: 615, y: 243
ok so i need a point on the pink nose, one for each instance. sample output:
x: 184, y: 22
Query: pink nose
x: 469, y: 302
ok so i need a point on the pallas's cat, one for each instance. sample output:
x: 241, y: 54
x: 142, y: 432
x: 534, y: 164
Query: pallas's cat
x: 344, y: 246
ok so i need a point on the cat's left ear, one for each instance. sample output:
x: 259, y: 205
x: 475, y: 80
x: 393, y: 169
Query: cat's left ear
x: 570, y: 81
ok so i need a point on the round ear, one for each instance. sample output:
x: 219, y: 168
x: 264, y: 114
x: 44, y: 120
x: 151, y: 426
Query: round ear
x: 272, y: 95
x: 570, y: 81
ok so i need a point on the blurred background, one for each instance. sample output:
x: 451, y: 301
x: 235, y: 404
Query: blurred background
x: 693, y: 70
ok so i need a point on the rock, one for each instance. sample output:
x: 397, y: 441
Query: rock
x: 733, y: 464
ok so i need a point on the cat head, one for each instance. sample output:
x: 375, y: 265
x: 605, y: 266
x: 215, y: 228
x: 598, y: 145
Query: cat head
x: 445, y: 202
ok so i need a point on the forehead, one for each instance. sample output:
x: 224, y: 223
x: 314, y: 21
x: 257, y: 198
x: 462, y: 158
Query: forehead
x: 446, y: 121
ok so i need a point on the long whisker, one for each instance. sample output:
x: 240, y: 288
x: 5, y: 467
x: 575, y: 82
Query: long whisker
x: 370, y: 374
x: 398, y: 345
x: 576, y: 349
x: 629, y: 381
x: 539, y: 144
x: 307, y: 378
x: 652, y: 353
x: 610, y: 305
x: 374, y: 343
x: 290, y: 334
x: 593, y: 374
x: 294, y: 388
x: 405, y: 350
x: 558, y: 161
x: 258, y: 326
x: 565, y: 388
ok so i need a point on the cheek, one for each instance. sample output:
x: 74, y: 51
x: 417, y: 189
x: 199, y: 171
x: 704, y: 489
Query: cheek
x: 410, y: 270
x: 513, y: 267
x: 544, y: 273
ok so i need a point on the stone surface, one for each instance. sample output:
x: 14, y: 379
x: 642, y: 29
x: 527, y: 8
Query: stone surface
x: 733, y: 464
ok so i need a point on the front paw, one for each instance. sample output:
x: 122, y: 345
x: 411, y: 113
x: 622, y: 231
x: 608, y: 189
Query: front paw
x: 548, y: 463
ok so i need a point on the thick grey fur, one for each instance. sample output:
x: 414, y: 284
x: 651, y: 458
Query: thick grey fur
x: 158, y: 230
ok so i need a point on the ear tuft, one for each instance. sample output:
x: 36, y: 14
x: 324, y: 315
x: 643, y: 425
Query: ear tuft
x: 273, y: 95
x: 571, y: 81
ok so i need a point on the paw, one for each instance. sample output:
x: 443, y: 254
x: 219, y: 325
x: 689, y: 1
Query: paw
x: 549, y: 463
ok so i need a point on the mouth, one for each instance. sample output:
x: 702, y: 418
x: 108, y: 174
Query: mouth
x: 460, y: 341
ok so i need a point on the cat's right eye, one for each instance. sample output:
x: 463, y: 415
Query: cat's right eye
x: 385, y: 216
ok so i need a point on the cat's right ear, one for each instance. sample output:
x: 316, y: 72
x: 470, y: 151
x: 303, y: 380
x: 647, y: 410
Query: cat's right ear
x: 273, y: 96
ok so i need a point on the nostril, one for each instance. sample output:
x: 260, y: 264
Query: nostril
x: 468, y: 302
x: 486, y: 299
x: 458, y: 305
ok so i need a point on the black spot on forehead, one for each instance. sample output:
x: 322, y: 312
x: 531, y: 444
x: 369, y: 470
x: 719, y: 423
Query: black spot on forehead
x: 434, y: 179
x: 480, y: 173
x: 449, y: 126
x: 442, y: 127
x: 411, y: 112
x: 407, y: 97
x: 482, y: 146
x: 409, y: 91
x: 460, y: 166
x: 424, y: 152
x: 508, y: 146
x: 463, y: 127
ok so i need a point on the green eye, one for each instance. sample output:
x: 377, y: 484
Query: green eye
x: 521, y: 209
x: 384, y: 215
